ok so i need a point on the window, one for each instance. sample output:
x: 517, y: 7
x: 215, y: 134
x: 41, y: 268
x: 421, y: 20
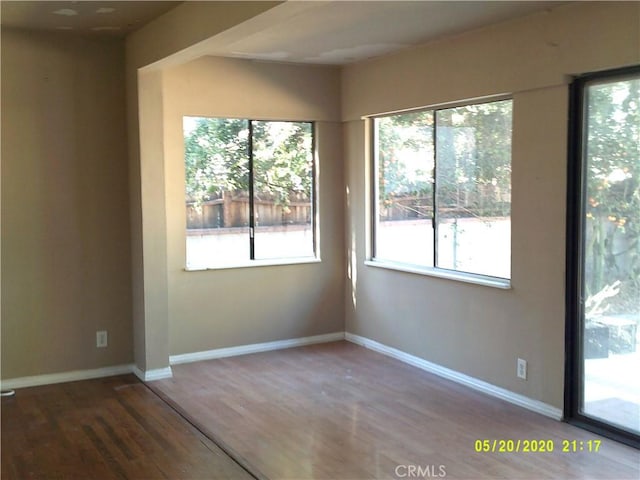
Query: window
x: 250, y: 192
x: 442, y: 189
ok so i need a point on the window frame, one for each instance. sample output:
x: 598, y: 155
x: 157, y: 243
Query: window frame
x: 251, y: 261
x: 373, y: 210
x: 577, y: 176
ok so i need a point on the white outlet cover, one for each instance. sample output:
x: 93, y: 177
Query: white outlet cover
x: 522, y: 369
x: 102, y: 338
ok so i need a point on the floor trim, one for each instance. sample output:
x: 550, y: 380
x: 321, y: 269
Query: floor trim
x: 471, y: 382
x: 254, y: 348
x: 72, y: 376
x: 161, y: 373
x: 151, y: 375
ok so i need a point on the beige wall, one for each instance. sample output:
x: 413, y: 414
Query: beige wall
x: 535, y: 51
x: 476, y: 330
x: 171, y: 36
x: 65, y: 229
x: 222, y: 308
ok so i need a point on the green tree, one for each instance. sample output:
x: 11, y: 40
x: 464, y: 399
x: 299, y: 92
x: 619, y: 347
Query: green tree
x: 612, y: 154
x: 405, y: 163
x: 283, y: 161
x: 216, y: 157
x: 474, y: 158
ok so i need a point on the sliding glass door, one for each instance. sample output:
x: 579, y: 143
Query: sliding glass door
x: 603, y: 250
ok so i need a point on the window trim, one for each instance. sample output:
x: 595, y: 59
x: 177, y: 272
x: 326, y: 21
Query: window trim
x: 250, y: 261
x: 270, y: 262
x: 439, y: 272
x: 373, y: 210
x: 443, y: 106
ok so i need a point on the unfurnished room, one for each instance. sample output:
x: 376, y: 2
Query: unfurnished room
x: 320, y: 239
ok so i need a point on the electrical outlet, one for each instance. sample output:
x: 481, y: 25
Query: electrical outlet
x: 101, y: 339
x: 522, y: 369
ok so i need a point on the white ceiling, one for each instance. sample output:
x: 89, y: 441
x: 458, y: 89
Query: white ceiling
x: 316, y: 32
x: 342, y: 32
x: 83, y: 17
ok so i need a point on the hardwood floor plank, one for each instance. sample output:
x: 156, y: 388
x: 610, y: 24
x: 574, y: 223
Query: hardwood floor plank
x: 339, y: 411
x: 104, y: 452
x: 115, y: 438
x: 113, y: 428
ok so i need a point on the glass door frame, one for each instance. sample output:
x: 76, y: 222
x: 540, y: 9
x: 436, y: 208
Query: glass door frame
x: 576, y: 187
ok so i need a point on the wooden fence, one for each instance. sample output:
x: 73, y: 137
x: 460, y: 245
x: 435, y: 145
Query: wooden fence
x: 232, y: 210
x: 484, y: 200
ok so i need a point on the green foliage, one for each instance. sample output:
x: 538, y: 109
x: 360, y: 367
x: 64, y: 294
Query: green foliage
x: 473, y: 157
x: 612, y: 153
x: 283, y: 161
x: 405, y: 155
x: 217, y: 159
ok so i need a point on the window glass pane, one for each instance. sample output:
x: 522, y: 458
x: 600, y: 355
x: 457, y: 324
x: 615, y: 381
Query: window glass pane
x: 611, y: 253
x: 217, y: 190
x: 404, y: 154
x: 473, y: 188
x: 283, y: 189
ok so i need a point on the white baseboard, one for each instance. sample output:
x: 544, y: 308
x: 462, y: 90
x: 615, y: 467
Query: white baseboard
x: 73, y: 376
x: 471, y: 382
x: 254, y: 348
x: 157, y: 374
x: 77, y: 375
x: 160, y: 373
x: 151, y: 375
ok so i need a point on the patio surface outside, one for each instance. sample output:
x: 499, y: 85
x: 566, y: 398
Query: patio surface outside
x: 612, y: 388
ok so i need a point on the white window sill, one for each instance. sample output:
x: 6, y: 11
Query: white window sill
x: 476, y: 279
x: 255, y: 263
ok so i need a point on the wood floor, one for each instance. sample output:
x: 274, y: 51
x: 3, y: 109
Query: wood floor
x: 113, y: 428
x: 339, y: 411
x: 333, y: 411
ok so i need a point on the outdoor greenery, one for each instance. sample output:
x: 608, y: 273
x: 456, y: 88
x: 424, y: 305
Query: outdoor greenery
x: 405, y: 156
x: 472, y: 160
x: 612, y: 154
x: 217, y: 159
x: 473, y: 173
x: 283, y: 161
